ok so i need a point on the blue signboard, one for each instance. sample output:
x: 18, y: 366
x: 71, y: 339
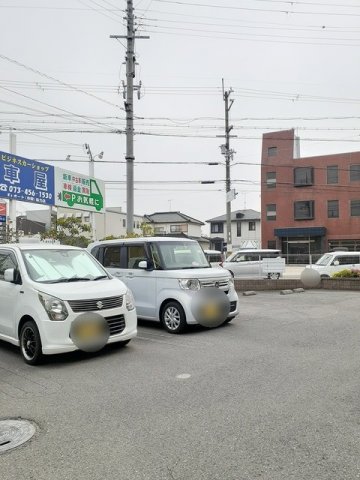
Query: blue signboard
x: 2, y: 218
x: 26, y: 180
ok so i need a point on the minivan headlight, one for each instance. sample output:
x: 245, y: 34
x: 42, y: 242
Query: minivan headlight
x: 129, y: 299
x: 189, y: 284
x: 55, y: 308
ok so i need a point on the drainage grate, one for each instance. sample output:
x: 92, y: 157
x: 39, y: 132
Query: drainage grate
x: 14, y: 433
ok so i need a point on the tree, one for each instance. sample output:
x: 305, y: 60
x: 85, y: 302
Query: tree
x: 69, y: 231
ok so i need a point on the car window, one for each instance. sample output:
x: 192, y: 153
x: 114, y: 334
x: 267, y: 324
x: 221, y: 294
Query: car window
x: 112, y: 257
x: 7, y: 260
x: 135, y: 254
x: 347, y: 260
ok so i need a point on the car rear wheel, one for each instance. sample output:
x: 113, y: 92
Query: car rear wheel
x: 30, y: 343
x: 173, y: 317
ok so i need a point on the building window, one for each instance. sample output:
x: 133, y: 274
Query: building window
x: 304, y: 210
x: 271, y: 211
x: 238, y: 229
x: 271, y: 179
x: 333, y: 208
x: 303, y: 176
x: 252, y: 226
x: 332, y: 173
x: 354, y: 173
x: 272, y: 151
x: 272, y: 244
x: 178, y: 228
x: 355, y: 208
x: 217, y: 228
x: 124, y: 222
x: 159, y: 230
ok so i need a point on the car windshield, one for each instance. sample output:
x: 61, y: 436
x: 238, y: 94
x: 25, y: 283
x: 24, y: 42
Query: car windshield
x: 324, y: 260
x: 61, y: 265
x: 181, y: 255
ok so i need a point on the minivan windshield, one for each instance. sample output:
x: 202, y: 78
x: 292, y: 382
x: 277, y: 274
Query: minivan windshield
x: 62, y: 265
x: 181, y: 255
x: 324, y: 260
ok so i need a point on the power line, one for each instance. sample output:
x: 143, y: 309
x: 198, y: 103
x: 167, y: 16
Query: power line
x: 288, y: 12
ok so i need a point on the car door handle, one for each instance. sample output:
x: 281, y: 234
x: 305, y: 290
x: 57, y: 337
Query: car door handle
x: 130, y: 274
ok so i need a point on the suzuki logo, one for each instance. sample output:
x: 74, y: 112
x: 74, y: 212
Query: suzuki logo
x: 99, y: 305
x: 217, y: 284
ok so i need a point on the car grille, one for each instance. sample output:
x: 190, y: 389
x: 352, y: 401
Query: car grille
x: 116, y: 324
x: 97, y: 304
x: 233, y: 306
x: 222, y: 283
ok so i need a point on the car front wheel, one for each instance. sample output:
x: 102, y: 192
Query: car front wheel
x: 173, y: 317
x: 30, y: 343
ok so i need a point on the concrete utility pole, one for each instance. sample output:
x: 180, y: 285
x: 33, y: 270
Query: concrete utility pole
x: 228, y: 156
x: 129, y: 109
x: 12, y: 203
x: 91, y: 174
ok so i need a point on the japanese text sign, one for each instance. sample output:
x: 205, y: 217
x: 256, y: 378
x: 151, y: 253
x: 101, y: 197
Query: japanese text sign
x: 26, y: 180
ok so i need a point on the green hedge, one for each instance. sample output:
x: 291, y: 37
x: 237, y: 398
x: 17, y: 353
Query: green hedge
x: 347, y: 273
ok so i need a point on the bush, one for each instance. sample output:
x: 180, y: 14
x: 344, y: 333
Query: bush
x: 347, y: 273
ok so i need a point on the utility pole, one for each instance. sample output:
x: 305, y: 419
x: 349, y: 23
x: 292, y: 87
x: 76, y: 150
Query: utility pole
x: 12, y: 203
x: 228, y: 157
x: 129, y: 109
x: 91, y: 174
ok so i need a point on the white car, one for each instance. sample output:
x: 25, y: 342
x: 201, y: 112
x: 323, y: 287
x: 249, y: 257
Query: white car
x: 255, y: 262
x: 333, y: 262
x: 167, y: 276
x: 45, y: 288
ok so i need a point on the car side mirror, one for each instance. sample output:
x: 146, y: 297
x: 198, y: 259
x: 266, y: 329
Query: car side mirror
x: 145, y: 265
x: 336, y: 263
x: 9, y: 275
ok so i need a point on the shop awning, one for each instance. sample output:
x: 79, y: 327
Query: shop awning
x: 300, y: 232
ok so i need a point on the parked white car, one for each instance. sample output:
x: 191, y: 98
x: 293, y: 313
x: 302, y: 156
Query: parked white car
x: 165, y: 275
x: 333, y: 262
x: 45, y: 288
x: 255, y: 263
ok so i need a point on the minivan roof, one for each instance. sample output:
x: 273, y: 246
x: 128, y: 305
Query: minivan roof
x: 142, y: 239
x: 39, y: 246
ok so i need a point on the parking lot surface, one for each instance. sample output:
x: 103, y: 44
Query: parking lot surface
x: 272, y: 395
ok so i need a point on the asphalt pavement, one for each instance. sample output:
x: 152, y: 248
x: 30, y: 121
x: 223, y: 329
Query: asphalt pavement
x: 272, y: 395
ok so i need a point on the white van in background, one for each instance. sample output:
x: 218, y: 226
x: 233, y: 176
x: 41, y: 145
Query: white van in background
x: 333, y: 262
x: 255, y: 262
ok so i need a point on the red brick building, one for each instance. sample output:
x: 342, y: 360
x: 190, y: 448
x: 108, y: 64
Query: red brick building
x: 310, y: 204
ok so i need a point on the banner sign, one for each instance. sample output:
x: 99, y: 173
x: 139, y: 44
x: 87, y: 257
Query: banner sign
x: 26, y: 180
x: 78, y: 191
x: 3, y: 209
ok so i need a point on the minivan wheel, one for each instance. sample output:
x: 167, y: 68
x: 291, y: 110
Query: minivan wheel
x: 30, y: 343
x: 173, y: 317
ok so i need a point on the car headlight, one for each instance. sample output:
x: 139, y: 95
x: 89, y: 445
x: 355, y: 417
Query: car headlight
x: 231, y: 282
x: 129, y: 299
x: 55, y: 308
x: 189, y: 284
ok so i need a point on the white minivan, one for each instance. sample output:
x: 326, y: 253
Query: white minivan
x: 165, y: 275
x: 44, y: 289
x: 254, y: 262
x: 333, y: 262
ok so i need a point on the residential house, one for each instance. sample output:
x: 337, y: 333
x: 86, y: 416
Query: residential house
x: 245, y: 230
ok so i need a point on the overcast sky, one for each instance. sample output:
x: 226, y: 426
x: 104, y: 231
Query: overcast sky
x: 291, y: 65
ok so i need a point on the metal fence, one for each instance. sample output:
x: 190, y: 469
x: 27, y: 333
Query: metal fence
x: 301, y: 259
